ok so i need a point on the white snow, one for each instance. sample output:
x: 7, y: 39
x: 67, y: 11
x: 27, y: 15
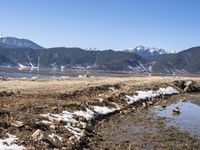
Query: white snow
x: 88, y: 114
x: 142, y: 66
x: 150, y: 94
x: 71, y: 122
x: 77, y: 126
x: 150, y: 68
x: 54, y: 136
x: 103, y: 110
x: 112, y: 89
x: 8, y: 143
x: 100, y: 94
x: 46, y: 122
x: 168, y: 91
x: 100, y: 99
x: 149, y: 50
x: 22, y: 66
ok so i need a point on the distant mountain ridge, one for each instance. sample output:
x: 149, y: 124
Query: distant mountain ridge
x: 71, y: 58
x: 25, y: 53
x: 147, y: 51
x: 12, y: 42
x: 186, y: 61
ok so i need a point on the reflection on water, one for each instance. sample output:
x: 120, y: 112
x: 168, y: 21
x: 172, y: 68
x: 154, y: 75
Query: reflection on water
x: 19, y: 72
x: 14, y: 72
x: 188, y: 119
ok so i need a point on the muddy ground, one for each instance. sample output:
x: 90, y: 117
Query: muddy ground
x: 24, y: 100
x: 141, y: 128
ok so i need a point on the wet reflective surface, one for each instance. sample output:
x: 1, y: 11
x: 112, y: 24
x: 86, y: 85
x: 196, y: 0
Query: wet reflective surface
x: 187, y: 119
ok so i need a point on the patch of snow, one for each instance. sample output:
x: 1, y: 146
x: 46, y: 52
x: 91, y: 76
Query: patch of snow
x: 100, y: 99
x: 103, y: 110
x: 91, y: 49
x: 100, y: 94
x: 88, y: 114
x: 142, y: 66
x: 73, y: 124
x: 81, y: 76
x: 54, y: 137
x: 71, y: 120
x: 112, y: 89
x: 46, y: 122
x: 66, y: 117
x: 168, y: 91
x: 64, y: 77
x: 150, y: 68
x: 8, y: 143
x: 130, y: 67
x: 22, y: 66
x: 150, y: 94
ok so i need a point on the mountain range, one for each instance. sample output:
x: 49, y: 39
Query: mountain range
x: 148, y: 51
x: 25, y: 53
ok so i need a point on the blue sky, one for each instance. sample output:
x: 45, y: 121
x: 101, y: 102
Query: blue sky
x: 103, y: 24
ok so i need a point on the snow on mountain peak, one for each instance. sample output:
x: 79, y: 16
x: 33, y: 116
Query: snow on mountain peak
x: 148, y: 51
x: 90, y: 49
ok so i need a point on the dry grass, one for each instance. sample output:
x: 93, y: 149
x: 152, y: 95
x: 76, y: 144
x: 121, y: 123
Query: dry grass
x: 61, y: 86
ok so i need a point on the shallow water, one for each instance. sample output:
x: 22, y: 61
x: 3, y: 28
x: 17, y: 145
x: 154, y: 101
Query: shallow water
x: 187, y: 120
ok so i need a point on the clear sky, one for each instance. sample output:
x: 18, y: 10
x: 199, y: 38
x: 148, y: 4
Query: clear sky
x: 103, y: 24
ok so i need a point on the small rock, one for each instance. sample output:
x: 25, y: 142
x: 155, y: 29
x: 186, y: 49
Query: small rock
x: 37, y: 135
x: 187, y: 86
x: 144, y: 104
x: 176, y: 111
x: 190, y: 86
x: 150, y: 103
x: 89, y: 127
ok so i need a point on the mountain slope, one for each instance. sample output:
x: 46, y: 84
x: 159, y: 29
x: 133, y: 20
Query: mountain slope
x: 186, y: 61
x: 15, y: 56
x: 103, y: 60
x: 12, y: 42
x: 71, y: 57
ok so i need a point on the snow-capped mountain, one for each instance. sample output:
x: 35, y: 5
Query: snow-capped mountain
x: 12, y: 42
x: 148, y: 51
x: 91, y: 49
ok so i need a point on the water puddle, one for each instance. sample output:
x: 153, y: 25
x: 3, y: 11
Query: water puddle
x: 185, y: 115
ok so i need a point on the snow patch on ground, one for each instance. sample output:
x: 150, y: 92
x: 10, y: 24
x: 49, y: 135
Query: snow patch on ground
x: 112, y: 89
x: 103, y: 110
x: 77, y: 121
x: 72, y: 119
x: 151, y: 94
x: 54, y: 137
x: 8, y: 143
x: 88, y: 114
